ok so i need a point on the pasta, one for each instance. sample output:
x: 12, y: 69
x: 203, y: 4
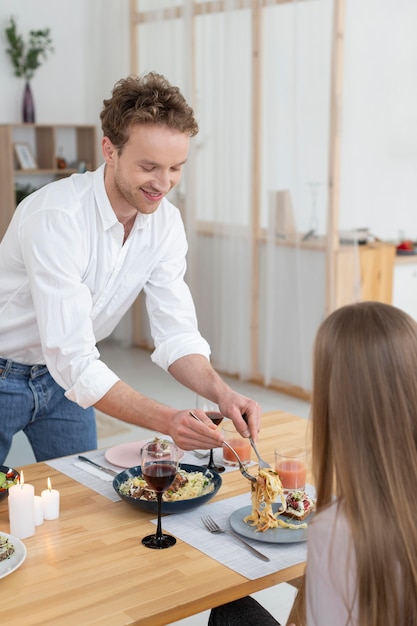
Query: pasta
x: 265, y: 492
x: 186, y: 485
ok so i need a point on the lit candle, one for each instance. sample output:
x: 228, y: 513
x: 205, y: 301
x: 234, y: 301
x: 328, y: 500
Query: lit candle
x: 38, y: 511
x: 21, y: 502
x: 50, y: 502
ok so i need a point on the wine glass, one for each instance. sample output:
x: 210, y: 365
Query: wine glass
x: 159, y: 468
x: 211, y: 409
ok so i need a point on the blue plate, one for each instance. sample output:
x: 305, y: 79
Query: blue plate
x: 272, y: 535
x: 167, y: 507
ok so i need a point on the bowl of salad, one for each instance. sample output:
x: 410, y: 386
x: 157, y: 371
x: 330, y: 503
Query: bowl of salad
x: 193, y: 485
x: 8, y: 478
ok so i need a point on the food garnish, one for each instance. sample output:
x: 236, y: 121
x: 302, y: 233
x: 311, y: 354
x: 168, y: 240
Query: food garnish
x: 299, y: 505
x: 6, y: 548
x: 158, y: 446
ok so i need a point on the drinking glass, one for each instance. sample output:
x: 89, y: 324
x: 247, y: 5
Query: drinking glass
x: 291, y: 466
x: 159, y: 468
x: 240, y: 444
x: 211, y: 409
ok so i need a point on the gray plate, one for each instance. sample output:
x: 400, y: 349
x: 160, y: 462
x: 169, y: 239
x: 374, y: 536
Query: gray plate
x: 272, y: 535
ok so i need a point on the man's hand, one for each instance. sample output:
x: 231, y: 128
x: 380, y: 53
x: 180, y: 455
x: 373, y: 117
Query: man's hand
x: 189, y: 433
x: 234, y: 406
x: 195, y: 372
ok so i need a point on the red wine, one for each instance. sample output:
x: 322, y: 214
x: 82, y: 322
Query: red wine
x: 216, y: 418
x: 159, y: 476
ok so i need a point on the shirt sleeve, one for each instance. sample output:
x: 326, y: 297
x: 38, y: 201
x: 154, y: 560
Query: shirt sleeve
x: 55, y: 258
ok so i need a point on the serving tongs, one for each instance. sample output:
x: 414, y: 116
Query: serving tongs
x: 242, y: 467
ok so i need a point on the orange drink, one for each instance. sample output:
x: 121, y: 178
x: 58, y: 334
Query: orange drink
x: 238, y: 443
x: 292, y: 473
x: 291, y: 467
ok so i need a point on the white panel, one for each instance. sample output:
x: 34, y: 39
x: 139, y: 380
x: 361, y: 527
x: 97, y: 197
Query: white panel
x: 404, y: 294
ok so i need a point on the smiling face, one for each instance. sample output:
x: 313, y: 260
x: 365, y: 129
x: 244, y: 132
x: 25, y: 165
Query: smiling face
x: 148, y: 167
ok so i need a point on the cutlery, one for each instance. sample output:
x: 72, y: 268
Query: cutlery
x: 100, y: 467
x: 261, y: 462
x: 201, y: 455
x: 214, y: 528
x: 242, y: 467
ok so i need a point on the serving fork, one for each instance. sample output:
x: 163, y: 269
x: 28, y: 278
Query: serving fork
x: 214, y: 528
x: 242, y: 467
x: 261, y: 462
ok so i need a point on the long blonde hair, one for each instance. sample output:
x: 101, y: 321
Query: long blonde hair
x: 364, y: 421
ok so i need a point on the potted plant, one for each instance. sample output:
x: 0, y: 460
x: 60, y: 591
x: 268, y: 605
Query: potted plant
x: 26, y: 57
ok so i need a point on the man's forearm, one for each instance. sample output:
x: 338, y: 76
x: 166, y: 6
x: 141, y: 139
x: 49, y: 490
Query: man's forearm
x: 128, y: 405
x: 195, y: 372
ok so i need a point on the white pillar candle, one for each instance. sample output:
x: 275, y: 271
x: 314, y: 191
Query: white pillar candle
x: 38, y: 511
x: 21, y: 501
x: 50, y: 502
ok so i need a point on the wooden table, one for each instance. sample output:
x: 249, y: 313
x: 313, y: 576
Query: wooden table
x: 89, y: 566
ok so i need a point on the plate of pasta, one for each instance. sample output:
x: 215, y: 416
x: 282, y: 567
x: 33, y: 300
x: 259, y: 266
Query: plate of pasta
x: 288, y: 534
x: 272, y: 518
x: 192, y: 487
x: 12, y: 554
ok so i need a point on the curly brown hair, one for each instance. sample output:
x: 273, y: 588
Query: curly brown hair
x: 149, y: 99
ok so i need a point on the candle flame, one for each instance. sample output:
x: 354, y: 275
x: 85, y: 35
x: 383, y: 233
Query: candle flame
x: 22, y: 478
x: 49, y: 484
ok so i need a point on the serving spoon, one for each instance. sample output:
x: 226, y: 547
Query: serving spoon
x: 242, y: 467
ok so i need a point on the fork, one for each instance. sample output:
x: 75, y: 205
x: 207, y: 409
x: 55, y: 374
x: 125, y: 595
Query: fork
x: 261, y: 461
x: 214, y: 528
x: 201, y: 455
x: 242, y: 467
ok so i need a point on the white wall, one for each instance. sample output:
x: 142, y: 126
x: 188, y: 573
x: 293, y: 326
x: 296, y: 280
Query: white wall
x: 379, y: 130
x: 379, y: 148
x: 379, y: 133
x: 91, y: 41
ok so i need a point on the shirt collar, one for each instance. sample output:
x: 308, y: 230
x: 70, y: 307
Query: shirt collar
x: 105, y: 209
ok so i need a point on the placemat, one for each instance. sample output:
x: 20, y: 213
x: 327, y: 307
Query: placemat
x: 224, y: 548
x: 188, y: 526
x: 99, y: 481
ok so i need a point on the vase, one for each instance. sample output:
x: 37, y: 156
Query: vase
x: 28, y: 110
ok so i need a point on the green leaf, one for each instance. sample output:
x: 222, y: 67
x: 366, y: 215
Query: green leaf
x: 27, y: 57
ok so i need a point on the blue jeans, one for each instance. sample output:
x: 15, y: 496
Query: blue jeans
x: 30, y: 400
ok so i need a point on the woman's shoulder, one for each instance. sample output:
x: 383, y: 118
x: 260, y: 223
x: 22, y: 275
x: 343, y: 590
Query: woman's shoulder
x: 330, y: 518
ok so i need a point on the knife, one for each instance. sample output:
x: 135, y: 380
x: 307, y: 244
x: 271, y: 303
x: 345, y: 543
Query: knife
x: 100, y: 467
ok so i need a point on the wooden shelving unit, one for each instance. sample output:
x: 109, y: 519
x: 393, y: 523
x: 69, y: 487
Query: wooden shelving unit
x: 75, y: 144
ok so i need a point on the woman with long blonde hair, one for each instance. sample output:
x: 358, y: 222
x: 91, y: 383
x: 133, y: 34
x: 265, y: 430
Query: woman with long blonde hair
x: 362, y: 544
x: 362, y: 549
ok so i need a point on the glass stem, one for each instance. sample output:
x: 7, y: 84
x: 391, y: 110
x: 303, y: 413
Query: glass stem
x: 211, y: 460
x: 159, y: 526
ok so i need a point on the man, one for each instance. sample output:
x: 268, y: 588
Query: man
x: 74, y: 258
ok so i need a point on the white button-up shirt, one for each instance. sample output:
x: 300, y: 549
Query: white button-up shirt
x: 66, y: 280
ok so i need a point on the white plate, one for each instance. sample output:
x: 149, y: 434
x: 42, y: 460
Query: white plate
x: 127, y: 455
x: 272, y: 535
x: 9, y: 565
